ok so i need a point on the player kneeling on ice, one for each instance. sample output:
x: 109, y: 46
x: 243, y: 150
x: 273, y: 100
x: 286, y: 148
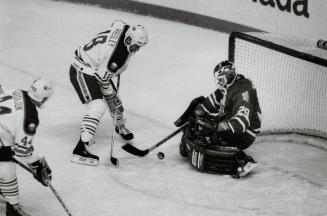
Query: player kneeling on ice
x: 222, y: 125
x: 105, y: 57
x: 18, y: 123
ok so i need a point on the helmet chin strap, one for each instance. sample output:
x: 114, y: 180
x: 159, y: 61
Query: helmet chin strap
x: 231, y: 83
x: 39, y: 104
x: 36, y: 103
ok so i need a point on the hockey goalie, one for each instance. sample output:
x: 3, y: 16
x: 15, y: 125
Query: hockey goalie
x: 221, y: 126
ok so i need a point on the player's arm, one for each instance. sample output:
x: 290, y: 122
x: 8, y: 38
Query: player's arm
x: 239, y: 120
x: 24, y: 134
x: 104, y: 72
x: 214, y: 102
x: 241, y: 112
x: 24, y: 149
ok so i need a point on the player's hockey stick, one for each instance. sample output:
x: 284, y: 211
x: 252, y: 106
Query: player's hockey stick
x: 113, y: 160
x: 141, y: 153
x: 24, y: 166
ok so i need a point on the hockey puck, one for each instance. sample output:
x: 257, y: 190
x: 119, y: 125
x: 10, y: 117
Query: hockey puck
x: 160, y: 155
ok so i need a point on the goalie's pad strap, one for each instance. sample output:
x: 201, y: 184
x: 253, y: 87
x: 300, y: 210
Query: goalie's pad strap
x: 197, y: 159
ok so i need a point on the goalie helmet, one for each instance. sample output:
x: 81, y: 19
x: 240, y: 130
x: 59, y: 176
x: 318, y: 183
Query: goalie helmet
x: 40, y: 91
x: 135, y: 37
x: 225, y: 74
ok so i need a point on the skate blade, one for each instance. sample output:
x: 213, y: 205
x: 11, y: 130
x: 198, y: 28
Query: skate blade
x: 247, y: 169
x: 85, y: 161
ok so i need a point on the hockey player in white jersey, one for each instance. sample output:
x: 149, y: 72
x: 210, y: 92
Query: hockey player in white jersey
x: 96, y: 63
x: 18, y: 124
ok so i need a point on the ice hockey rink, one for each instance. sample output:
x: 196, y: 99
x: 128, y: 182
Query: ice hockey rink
x: 38, y: 39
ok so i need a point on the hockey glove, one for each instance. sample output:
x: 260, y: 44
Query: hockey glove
x: 189, y: 112
x: 114, y: 103
x: 208, y: 125
x: 42, y: 171
x: 205, y: 126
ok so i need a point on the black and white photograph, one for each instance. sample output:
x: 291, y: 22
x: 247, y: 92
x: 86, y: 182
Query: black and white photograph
x: 163, y: 108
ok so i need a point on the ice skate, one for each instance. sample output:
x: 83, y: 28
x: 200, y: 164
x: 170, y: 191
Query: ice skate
x: 247, y: 168
x: 15, y: 210
x: 82, y: 155
x: 124, y: 132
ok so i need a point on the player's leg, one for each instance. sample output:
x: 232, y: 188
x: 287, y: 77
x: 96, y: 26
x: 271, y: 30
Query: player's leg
x: 8, y: 179
x: 242, y: 142
x: 88, y: 90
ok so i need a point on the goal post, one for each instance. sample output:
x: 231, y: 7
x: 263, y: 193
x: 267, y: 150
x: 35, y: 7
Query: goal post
x: 290, y: 75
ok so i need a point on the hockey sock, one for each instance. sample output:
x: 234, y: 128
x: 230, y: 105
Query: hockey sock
x: 89, y: 126
x: 9, y: 190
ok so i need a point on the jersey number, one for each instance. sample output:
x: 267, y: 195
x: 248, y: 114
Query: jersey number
x: 98, y: 40
x: 243, y: 111
x: 4, y: 109
x: 25, y: 141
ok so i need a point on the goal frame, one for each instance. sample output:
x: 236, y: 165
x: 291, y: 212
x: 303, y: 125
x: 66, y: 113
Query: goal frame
x: 288, y: 51
x: 273, y: 46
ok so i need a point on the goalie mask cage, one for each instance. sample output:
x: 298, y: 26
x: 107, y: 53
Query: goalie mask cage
x: 290, y: 75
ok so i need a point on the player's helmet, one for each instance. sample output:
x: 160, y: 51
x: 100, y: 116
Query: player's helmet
x: 225, y: 74
x: 135, y: 37
x: 40, y: 91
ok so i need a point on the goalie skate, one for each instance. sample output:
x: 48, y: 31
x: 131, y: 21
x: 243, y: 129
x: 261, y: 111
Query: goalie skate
x: 15, y: 210
x: 247, y: 168
x: 82, y: 155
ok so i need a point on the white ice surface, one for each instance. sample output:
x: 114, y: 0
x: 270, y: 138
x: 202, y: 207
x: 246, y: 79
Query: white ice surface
x: 38, y: 38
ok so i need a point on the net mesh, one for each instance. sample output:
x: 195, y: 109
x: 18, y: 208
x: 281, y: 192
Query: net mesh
x: 292, y: 91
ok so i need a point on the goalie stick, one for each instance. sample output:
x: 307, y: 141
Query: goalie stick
x: 24, y: 166
x: 141, y: 153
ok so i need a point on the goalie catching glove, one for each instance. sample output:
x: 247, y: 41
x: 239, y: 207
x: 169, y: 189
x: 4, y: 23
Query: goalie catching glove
x: 189, y: 112
x: 41, y: 171
x: 207, y: 125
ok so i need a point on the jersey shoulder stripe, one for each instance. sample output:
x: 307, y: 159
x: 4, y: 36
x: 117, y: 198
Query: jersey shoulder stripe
x: 31, y: 118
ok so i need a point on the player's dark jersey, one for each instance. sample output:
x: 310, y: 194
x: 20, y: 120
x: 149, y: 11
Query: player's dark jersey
x: 240, y: 103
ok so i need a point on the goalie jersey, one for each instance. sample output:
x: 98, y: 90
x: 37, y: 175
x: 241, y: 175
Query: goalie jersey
x: 240, y: 103
x: 105, y: 54
x: 18, y: 122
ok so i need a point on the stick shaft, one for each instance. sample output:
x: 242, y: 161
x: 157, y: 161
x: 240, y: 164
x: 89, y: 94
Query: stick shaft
x: 24, y: 166
x: 166, y: 138
x: 141, y: 153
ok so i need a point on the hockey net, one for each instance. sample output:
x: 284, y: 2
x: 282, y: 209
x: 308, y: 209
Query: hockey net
x: 290, y: 75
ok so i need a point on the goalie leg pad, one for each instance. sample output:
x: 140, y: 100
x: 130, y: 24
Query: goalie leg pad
x: 196, y: 155
x: 187, y: 135
x: 214, y: 159
x: 222, y: 160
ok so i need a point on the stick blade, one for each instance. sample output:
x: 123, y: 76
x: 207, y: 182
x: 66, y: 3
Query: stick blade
x: 134, y: 151
x: 114, y: 161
